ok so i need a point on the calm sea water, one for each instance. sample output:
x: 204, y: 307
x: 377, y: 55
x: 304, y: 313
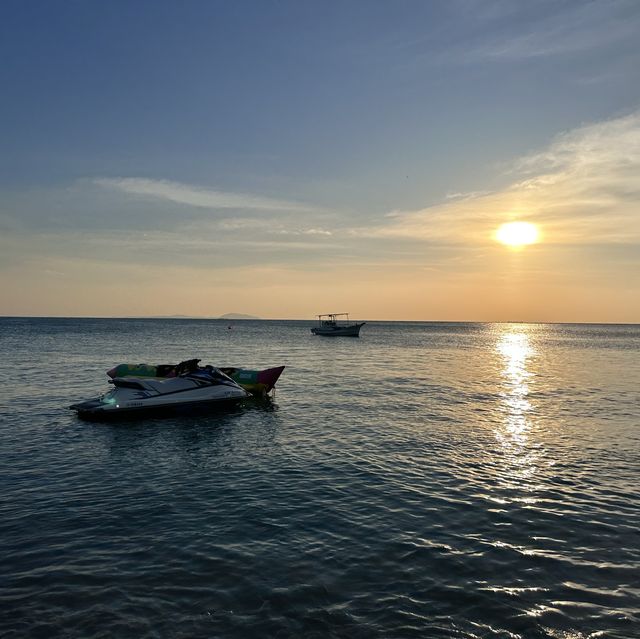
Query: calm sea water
x: 425, y: 480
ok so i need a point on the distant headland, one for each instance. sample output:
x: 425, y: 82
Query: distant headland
x: 238, y: 316
x: 228, y: 316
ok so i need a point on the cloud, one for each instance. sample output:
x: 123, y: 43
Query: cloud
x: 582, y: 189
x: 198, y: 196
x: 561, y: 29
x: 318, y: 232
x: 460, y: 195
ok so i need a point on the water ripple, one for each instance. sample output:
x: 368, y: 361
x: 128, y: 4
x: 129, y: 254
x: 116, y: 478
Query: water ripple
x: 427, y: 480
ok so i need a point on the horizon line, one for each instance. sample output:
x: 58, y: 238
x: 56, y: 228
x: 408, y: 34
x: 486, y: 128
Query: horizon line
x: 295, y: 319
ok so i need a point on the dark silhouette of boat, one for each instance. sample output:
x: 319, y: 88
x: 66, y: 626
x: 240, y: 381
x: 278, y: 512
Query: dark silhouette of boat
x: 337, y: 325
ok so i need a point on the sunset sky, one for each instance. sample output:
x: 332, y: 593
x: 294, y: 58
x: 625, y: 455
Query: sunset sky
x: 288, y: 158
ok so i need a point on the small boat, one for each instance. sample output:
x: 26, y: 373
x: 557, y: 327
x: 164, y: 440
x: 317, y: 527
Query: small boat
x: 195, y: 388
x: 332, y: 325
x: 256, y: 382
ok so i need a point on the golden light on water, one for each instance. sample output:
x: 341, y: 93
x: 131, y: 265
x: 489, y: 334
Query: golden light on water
x: 521, y: 456
x: 517, y: 234
x: 515, y: 349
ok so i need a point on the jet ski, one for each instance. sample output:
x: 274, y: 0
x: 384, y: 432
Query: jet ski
x: 258, y: 383
x: 193, y: 388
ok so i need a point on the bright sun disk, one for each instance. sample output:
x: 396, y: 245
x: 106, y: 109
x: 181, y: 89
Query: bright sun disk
x: 517, y: 234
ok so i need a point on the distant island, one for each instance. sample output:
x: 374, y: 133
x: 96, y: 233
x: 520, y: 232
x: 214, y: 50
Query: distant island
x: 228, y: 316
x: 238, y: 316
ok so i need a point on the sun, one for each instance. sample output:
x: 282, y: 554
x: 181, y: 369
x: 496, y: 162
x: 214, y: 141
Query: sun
x: 517, y: 234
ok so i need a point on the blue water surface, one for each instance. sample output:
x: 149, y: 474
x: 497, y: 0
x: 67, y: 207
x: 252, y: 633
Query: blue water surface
x: 424, y: 480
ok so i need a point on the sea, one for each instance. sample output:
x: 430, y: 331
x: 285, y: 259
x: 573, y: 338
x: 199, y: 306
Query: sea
x: 432, y: 480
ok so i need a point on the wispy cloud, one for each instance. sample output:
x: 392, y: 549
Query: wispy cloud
x: 558, y: 30
x: 582, y: 189
x: 318, y: 232
x: 461, y: 195
x: 198, y: 196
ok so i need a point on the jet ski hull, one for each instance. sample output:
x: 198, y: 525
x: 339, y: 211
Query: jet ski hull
x: 202, y: 389
x: 95, y: 410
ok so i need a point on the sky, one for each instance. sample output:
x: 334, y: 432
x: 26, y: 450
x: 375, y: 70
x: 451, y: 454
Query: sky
x: 287, y: 158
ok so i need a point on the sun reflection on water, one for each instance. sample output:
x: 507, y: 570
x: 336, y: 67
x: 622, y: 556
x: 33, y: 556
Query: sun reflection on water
x: 514, y: 433
x: 515, y: 348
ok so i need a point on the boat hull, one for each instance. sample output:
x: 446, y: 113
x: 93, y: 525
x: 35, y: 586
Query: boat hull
x: 338, y: 331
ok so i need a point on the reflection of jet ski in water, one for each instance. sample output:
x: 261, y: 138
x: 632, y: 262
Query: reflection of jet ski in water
x: 191, y: 387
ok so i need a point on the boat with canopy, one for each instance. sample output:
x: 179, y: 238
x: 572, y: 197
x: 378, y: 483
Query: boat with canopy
x: 337, y: 325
